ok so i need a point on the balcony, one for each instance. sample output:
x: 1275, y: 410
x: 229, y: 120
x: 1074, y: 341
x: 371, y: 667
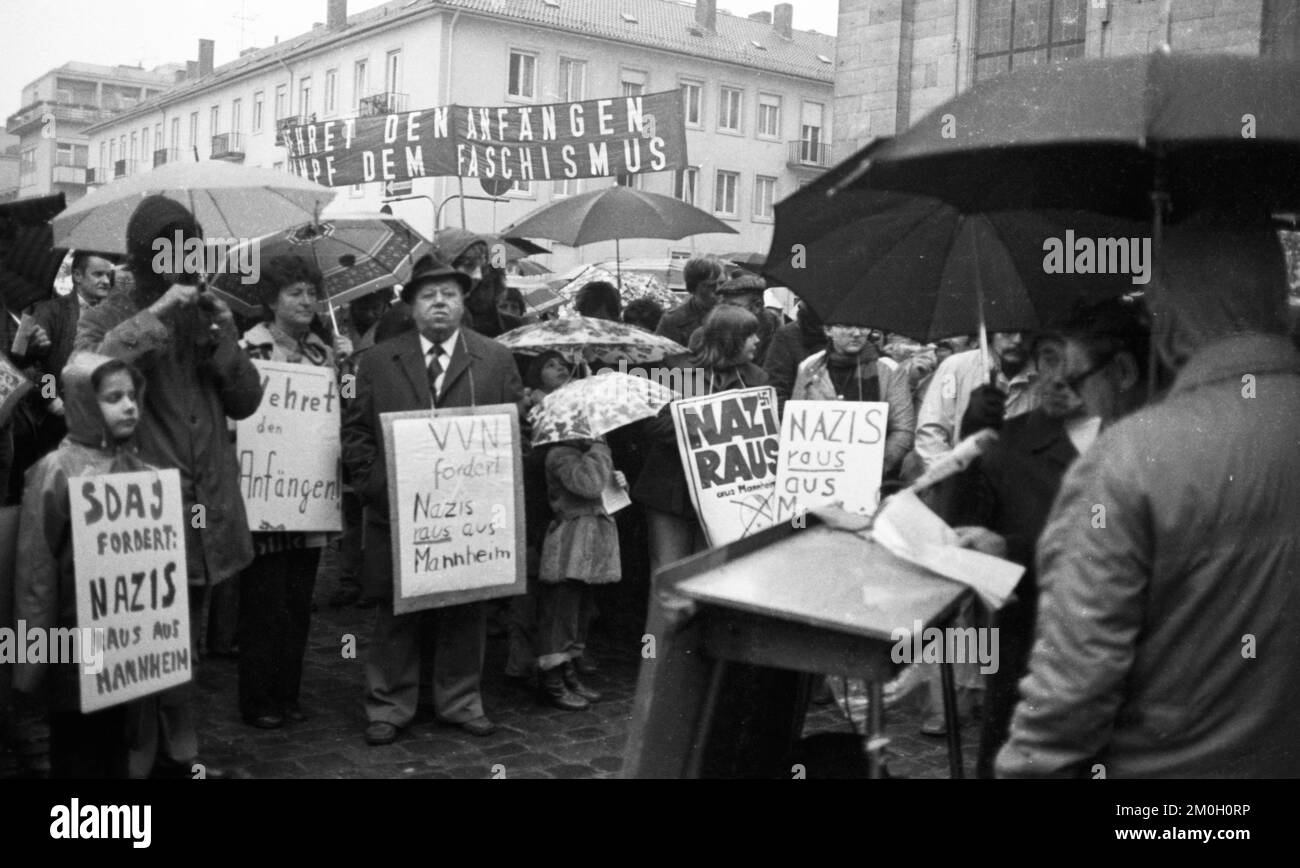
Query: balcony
x: 123, y: 168
x: 381, y: 104
x: 69, y: 175
x: 96, y: 177
x: 810, y: 154
x: 229, y: 147
x: 30, y: 117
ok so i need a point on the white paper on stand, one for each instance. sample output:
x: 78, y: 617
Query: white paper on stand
x: 912, y: 531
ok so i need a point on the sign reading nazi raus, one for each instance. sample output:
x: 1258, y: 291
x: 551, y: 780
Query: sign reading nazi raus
x: 588, y: 139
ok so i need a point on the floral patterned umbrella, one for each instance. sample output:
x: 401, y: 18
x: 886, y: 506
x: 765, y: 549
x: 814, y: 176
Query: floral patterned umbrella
x: 635, y: 285
x: 592, y: 407
x: 610, y: 342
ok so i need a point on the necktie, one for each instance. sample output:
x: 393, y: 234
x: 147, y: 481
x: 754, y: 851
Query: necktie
x: 435, y: 371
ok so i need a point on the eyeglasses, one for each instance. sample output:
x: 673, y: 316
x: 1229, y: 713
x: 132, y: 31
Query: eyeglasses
x: 1074, y: 381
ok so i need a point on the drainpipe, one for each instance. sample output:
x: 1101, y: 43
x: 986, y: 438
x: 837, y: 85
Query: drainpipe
x: 447, y: 90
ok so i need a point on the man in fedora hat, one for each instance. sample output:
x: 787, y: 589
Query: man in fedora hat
x: 440, y: 363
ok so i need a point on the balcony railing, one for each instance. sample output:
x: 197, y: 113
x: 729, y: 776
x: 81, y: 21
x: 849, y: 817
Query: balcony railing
x: 34, y: 114
x: 123, y: 168
x: 228, y: 146
x: 68, y: 175
x: 381, y: 104
x: 289, y: 123
x: 810, y: 154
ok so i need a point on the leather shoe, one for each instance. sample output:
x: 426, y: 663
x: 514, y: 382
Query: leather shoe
x: 576, y: 686
x: 479, y: 726
x: 556, y: 691
x: 265, y: 721
x: 381, y: 733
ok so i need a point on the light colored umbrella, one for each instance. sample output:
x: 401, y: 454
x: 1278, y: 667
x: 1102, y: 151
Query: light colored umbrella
x: 609, y: 341
x: 612, y: 214
x: 634, y: 285
x: 592, y: 407
x: 356, y: 255
x: 227, y: 199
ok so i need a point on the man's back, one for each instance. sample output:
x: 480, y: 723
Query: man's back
x: 1169, y: 628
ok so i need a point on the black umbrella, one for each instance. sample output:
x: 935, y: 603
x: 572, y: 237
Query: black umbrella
x: 29, y: 262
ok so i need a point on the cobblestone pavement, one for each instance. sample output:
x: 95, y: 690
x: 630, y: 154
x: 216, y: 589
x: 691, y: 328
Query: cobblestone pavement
x: 534, y: 741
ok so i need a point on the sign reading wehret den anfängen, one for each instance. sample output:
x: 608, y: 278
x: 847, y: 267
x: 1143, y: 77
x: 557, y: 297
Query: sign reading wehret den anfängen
x: 589, y: 139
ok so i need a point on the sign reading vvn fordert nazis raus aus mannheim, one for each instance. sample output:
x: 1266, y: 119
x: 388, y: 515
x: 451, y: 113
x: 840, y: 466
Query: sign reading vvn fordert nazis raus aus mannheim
x: 586, y: 139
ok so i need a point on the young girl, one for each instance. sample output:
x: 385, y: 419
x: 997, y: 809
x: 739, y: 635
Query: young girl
x: 581, y: 550
x: 102, y: 400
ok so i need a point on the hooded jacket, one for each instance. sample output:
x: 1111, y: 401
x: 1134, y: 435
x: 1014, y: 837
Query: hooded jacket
x: 45, y: 595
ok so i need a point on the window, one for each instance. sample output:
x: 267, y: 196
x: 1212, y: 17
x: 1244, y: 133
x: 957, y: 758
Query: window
x: 523, y: 75
x: 769, y: 116
x: 68, y: 154
x: 103, y: 159
x: 259, y: 109
x: 112, y: 150
x: 134, y: 144
x: 278, y: 165
x: 685, y: 184
x: 145, y: 150
x: 568, y: 187
x: 812, y: 148
x: 729, y: 104
x: 1015, y: 33
x: 331, y: 91
x: 27, y: 163
x: 393, y: 72
x: 360, y: 82
x: 304, y: 97
x: 158, y: 142
x: 194, y: 129
x: 692, y: 96
x: 522, y: 188
x: 236, y: 115
x: 764, y: 197
x: 176, y: 134
x: 633, y: 82
x: 214, y: 121
x: 281, y: 101
x: 573, y: 80
x: 356, y: 191
x: 724, y: 193
x: 634, y: 180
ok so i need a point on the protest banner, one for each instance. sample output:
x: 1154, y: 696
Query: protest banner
x: 289, y: 451
x: 132, y: 588
x: 728, y: 443
x: 587, y: 139
x: 13, y: 385
x: 455, y: 505
x: 831, y: 452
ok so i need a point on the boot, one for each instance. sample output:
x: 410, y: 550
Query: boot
x: 575, y: 686
x: 557, y: 693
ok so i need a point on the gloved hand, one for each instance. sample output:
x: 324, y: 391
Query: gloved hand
x: 987, y: 406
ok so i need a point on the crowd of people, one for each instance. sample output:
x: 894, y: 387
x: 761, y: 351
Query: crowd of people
x: 1134, y: 406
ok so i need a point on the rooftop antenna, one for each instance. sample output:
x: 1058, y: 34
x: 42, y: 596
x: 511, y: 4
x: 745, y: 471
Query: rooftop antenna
x: 243, y: 19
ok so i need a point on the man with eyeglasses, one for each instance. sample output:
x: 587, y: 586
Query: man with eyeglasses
x: 1166, y: 641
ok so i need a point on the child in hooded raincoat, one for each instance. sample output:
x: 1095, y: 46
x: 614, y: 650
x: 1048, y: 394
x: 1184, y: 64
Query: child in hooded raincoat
x: 102, y: 401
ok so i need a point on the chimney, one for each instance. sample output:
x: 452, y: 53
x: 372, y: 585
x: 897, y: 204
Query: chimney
x: 783, y: 20
x: 180, y: 76
x: 206, y: 48
x: 191, y: 70
x: 764, y: 17
x: 336, y: 14
x: 706, y: 15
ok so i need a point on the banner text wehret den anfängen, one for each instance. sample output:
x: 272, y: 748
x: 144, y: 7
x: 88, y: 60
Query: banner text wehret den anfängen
x: 587, y: 139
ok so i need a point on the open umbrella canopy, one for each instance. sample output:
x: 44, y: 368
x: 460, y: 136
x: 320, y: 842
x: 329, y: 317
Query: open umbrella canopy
x: 613, y: 213
x: 1102, y: 135
x: 227, y: 199
x: 632, y: 285
x: 28, y: 260
x: 918, y: 266
x: 356, y: 255
x: 609, y: 341
x: 593, y: 406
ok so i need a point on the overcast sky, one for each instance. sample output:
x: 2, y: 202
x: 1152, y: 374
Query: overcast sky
x: 38, y: 35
